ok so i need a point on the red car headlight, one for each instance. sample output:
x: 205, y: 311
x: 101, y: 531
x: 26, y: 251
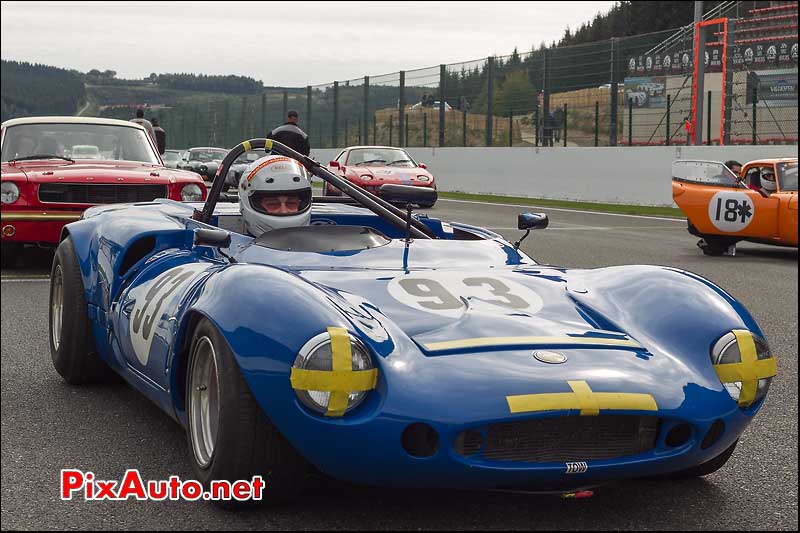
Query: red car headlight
x: 9, y: 192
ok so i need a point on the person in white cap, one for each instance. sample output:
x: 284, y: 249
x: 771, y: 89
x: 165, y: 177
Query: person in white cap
x: 274, y: 193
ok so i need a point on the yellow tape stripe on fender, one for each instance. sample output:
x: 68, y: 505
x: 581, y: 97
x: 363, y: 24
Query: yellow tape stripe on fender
x: 247, y: 146
x: 268, y: 144
x: 582, y: 398
x: 481, y: 342
x: 749, y: 371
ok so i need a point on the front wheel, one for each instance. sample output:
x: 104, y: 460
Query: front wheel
x: 229, y: 436
x: 72, y: 347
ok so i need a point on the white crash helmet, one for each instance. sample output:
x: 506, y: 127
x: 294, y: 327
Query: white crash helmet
x: 768, y: 180
x: 274, y: 193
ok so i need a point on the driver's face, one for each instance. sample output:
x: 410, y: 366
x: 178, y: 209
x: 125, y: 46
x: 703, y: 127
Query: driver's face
x: 280, y: 205
x: 737, y: 169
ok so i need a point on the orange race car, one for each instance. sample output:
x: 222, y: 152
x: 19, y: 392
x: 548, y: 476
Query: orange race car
x: 723, y: 208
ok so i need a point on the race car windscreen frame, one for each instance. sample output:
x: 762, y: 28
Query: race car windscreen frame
x: 394, y: 215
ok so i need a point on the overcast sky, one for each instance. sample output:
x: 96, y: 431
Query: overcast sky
x: 279, y: 43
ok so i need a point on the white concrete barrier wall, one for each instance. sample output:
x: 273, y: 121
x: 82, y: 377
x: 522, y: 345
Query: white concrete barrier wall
x: 636, y: 176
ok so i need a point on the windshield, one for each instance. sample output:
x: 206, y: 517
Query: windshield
x: 171, y: 156
x: 787, y: 176
x: 378, y: 157
x: 207, y: 154
x: 705, y: 173
x: 78, y: 141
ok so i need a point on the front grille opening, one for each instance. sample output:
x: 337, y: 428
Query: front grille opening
x: 714, y: 433
x: 565, y: 439
x: 468, y: 443
x: 80, y: 193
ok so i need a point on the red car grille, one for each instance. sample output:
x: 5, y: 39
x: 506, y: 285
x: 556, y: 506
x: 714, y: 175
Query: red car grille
x: 561, y: 439
x: 80, y: 193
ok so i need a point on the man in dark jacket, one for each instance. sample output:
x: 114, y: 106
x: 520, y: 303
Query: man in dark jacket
x: 161, y: 136
x: 291, y: 135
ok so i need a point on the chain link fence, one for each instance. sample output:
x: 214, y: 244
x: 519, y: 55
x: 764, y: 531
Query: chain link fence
x: 619, y: 92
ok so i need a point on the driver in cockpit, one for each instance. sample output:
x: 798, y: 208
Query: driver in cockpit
x: 274, y: 193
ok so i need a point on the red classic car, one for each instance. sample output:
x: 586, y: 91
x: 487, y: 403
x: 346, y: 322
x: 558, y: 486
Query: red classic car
x: 53, y: 168
x: 370, y: 167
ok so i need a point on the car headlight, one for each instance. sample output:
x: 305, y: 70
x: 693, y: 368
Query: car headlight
x: 333, y: 373
x: 423, y: 178
x: 191, y: 193
x: 366, y: 177
x: 745, y: 366
x: 10, y: 192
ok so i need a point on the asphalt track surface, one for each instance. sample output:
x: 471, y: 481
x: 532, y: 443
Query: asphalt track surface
x: 48, y: 425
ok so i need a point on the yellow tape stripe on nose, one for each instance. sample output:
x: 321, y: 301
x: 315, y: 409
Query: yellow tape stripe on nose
x: 582, y: 398
x: 749, y: 370
x: 247, y: 146
x: 481, y: 342
x: 327, y: 381
x: 342, y: 362
x: 268, y: 144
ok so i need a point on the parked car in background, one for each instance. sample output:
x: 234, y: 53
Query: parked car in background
x: 203, y: 160
x: 42, y: 189
x: 369, y: 167
x: 172, y: 158
x: 435, y: 105
x: 238, y: 166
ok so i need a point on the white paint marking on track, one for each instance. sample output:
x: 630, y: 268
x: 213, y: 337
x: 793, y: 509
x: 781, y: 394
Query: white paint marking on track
x: 681, y: 220
x: 570, y: 228
x: 25, y: 280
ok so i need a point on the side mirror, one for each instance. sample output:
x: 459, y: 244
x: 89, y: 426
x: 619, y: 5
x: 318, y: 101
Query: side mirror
x: 333, y: 164
x: 408, y: 194
x: 423, y: 165
x: 529, y: 221
x: 212, y: 237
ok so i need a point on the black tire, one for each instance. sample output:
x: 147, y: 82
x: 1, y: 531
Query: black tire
x: 706, y: 468
x: 76, y: 358
x: 247, y: 443
x: 715, y: 246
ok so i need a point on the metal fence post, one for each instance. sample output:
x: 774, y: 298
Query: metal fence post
x: 547, y: 129
x: 511, y: 127
x: 424, y: 129
x: 225, y: 122
x: 406, y: 134
x: 612, y: 128
x: 442, y: 89
x: 536, y: 124
x: 489, y: 101
x: 669, y: 112
x: 307, y: 121
x: 391, y: 120
x: 565, y: 124
x: 285, y: 104
x: 708, y: 121
x: 596, y: 123
x: 243, y: 124
x: 464, y: 128
x: 374, y: 128
x: 755, y: 119
x: 366, y: 110
x: 264, y: 115
x: 401, y: 118
x: 335, y: 137
x: 630, y: 121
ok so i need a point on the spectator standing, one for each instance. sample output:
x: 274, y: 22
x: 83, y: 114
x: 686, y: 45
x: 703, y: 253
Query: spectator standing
x: 144, y: 122
x: 291, y: 135
x: 160, y: 136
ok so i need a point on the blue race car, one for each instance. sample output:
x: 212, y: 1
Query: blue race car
x: 393, y: 349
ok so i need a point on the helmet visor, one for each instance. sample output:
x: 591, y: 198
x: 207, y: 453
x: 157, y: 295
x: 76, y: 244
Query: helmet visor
x: 281, y: 203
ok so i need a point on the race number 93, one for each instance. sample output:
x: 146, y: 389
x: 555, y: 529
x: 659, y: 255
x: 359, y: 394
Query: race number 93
x: 447, y: 293
x: 731, y: 211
